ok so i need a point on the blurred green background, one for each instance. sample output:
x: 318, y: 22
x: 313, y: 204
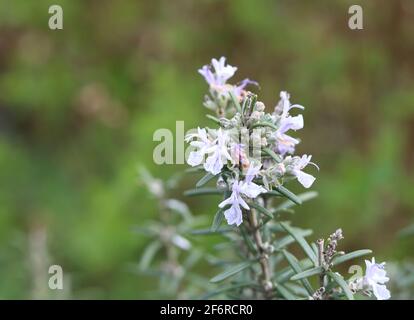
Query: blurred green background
x: 78, y: 108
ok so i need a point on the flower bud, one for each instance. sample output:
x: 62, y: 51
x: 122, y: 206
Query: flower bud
x: 259, y: 106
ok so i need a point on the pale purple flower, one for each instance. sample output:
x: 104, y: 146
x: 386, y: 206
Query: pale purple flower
x: 375, y: 278
x: 285, y: 143
x: 296, y: 169
x: 217, y: 73
x: 284, y: 105
x: 247, y: 188
x: 218, y: 153
x: 202, y: 144
x: 240, y: 87
x: 234, y: 214
x: 221, y: 74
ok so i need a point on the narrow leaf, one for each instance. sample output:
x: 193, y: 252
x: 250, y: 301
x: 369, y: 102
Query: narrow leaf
x: 272, y: 154
x: 303, y: 197
x: 213, y: 118
x: 218, y: 219
x: 274, y: 193
x: 210, y: 232
x: 235, y: 101
x: 342, y: 283
x: 351, y: 255
x: 149, y: 254
x: 301, y: 241
x: 179, y: 207
x: 203, y: 191
x: 288, y: 194
x: 307, y: 273
x: 286, y: 273
x: 287, y: 240
x: 315, y: 249
x: 205, y: 179
x: 261, y: 209
x: 232, y: 271
x: 248, y: 240
x: 294, y: 263
x: 285, y: 293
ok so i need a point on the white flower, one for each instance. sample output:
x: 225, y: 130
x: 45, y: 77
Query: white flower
x: 284, y: 143
x: 222, y: 72
x: 203, y: 144
x: 284, y: 105
x: 296, y: 169
x: 375, y: 277
x: 218, y: 153
x: 247, y: 188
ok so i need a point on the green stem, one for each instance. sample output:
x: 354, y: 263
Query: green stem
x: 263, y: 258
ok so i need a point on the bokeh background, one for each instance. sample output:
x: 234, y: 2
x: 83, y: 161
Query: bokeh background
x: 78, y: 108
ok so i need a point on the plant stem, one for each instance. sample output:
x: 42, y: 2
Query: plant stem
x: 264, y: 258
x: 321, y: 260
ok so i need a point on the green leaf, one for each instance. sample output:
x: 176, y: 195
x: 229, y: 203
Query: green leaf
x: 307, y: 273
x: 342, y: 283
x: 315, y: 249
x: 244, y: 104
x: 203, y: 191
x: 294, y: 263
x: 288, y: 194
x: 286, y: 273
x: 232, y: 271
x: 179, y: 207
x: 248, y: 240
x: 274, y: 193
x: 287, y: 240
x: 352, y: 255
x: 213, y: 118
x: 273, y: 155
x: 204, y: 180
x: 301, y: 241
x: 303, y: 197
x: 261, y: 209
x: 210, y: 232
x: 235, y: 101
x: 149, y: 254
x: 285, y: 293
x: 218, y: 219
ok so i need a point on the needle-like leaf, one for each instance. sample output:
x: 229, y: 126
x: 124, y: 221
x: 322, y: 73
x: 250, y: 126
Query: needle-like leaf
x: 301, y: 241
x: 232, y: 271
x: 342, y: 283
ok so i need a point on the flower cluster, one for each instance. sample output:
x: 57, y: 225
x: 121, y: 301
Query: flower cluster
x: 251, y: 150
x: 373, y: 281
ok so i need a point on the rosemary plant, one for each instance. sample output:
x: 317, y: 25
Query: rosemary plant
x: 251, y: 157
